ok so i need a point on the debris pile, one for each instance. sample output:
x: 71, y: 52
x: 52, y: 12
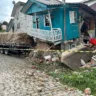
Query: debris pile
x: 44, y: 56
x: 17, y: 38
x: 92, y: 62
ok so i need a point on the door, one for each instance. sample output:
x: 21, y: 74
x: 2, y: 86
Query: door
x: 72, y: 24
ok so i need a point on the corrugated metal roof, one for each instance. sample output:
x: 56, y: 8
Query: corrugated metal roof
x: 93, y: 6
x: 50, y: 2
x: 86, y: 1
x: 84, y: 7
x: 56, y: 2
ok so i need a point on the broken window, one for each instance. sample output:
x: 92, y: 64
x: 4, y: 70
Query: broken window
x: 46, y: 20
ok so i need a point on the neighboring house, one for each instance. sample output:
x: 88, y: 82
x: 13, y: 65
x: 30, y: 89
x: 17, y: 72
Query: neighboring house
x: 93, y: 6
x: 4, y: 27
x: 57, y: 23
x: 10, y: 26
x: 89, y: 2
x: 22, y: 22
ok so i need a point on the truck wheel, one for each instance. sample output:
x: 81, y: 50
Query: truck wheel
x: 1, y: 51
x: 6, y: 52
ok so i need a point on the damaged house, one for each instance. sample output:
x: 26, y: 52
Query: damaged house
x: 58, y: 23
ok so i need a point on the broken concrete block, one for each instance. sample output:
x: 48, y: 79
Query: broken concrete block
x: 47, y: 57
x: 87, y: 91
x: 54, y: 59
x: 83, y: 62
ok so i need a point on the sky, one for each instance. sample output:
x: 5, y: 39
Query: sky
x: 6, y: 7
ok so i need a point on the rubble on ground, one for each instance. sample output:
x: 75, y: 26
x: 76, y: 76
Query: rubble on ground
x: 90, y: 64
x: 44, y: 56
x: 87, y: 91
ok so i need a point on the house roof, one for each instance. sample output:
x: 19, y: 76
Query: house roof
x: 84, y: 7
x: 56, y: 2
x: 86, y: 1
x: 16, y: 6
x: 50, y: 2
x: 93, y: 6
x: 44, y: 2
x: 26, y: 6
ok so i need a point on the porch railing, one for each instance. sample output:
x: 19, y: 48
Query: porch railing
x: 47, y: 35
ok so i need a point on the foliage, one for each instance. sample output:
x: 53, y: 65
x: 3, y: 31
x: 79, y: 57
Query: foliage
x: 80, y: 79
x: 5, y: 23
x: 2, y: 23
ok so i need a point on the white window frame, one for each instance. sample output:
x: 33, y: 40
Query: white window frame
x: 73, y: 17
x: 44, y: 20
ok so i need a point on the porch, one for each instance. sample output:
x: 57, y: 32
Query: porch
x: 53, y: 35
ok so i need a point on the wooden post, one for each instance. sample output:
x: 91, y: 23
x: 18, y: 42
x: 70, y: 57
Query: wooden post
x: 64, y: 21
x: 35, y: 21
x: 50, y: 20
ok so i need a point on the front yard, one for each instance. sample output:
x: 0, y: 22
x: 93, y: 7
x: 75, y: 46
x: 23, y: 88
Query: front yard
x: 81, y: 79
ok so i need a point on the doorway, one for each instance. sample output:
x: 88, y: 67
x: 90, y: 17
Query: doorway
x: 37, y: 23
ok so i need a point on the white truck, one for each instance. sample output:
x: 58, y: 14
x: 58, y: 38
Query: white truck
x: 15, y: 43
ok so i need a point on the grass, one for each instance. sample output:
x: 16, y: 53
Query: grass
x: 81, y: 79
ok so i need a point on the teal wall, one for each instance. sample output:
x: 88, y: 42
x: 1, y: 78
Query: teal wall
x: 35, y: 8
x: 57, y: 17
x: 72, y: 29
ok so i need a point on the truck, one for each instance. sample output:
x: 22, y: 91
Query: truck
x: 17, y: 42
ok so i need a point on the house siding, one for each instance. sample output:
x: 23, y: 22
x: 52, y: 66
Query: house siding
x: 23, y: 21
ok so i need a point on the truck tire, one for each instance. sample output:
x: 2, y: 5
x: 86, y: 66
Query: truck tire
x: 2, y: 51
x: 6, y: 52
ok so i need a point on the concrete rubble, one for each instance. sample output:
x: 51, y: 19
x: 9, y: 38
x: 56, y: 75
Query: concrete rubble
x: 73, y: 58
x: 44, y: 56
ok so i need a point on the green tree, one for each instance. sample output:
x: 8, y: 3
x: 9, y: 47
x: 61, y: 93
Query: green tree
x: 0, y: 26
x: 5, y: 23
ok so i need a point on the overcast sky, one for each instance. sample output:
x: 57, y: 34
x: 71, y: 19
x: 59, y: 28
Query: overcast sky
x: 6, y: 8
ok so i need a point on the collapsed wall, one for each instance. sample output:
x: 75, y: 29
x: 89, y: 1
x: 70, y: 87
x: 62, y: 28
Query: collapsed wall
x: 17, y: 38
x: 73, y: 59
